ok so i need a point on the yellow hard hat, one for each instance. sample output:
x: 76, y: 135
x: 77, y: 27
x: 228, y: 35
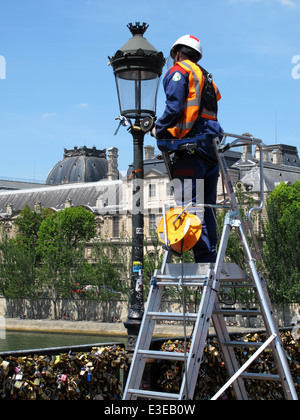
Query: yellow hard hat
x: 183, y: 233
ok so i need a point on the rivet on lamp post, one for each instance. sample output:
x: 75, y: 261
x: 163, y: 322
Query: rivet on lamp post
x: 137, y: 68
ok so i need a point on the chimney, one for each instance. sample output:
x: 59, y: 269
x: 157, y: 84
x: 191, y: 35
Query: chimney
x: 113, y: 171
x: 68, y: 203
x: 149, y: 152
x: 265, y: 154
x: 9, y: 209
x: 278, y: 157
x: 38, y: 207
x: 247, y: 152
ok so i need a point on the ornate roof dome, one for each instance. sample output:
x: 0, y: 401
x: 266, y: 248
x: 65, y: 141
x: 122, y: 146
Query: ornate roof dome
x: 79, y: 165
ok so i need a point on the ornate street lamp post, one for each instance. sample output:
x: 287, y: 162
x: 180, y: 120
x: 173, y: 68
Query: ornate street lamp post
x: 137, y: 68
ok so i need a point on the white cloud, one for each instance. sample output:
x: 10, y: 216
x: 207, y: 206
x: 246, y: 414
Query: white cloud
x: 245, y: 1
x: 49, y: 114
x: 287, y: 3
x: 83, y: 105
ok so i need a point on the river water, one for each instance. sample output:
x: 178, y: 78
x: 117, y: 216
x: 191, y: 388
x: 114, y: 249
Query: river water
x: 14, y: 341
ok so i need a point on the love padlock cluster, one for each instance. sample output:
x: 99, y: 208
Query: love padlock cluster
x: 93, y: 375
x: 213, y: 373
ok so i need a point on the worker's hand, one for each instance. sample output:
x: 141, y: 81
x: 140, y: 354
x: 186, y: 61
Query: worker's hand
x: 153, y: 132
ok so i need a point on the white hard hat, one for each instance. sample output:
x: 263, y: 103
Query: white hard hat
x: 189, y: 41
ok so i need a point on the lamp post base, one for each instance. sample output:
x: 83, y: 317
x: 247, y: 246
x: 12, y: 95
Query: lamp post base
x: 133, y: 328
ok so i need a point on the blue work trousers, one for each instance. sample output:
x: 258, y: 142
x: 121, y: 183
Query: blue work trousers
x: 193, y: 171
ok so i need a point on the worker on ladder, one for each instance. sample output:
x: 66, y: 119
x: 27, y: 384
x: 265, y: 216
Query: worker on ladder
x: 191, y: 109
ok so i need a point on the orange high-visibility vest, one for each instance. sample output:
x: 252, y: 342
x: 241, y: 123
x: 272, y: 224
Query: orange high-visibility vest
x: 193, y: 103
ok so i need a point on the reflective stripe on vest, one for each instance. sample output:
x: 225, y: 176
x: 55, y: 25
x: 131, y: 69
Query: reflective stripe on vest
x: 191, y: 109
x: 192, y: 106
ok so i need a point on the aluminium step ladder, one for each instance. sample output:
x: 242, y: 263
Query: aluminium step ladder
x: 210, y: 278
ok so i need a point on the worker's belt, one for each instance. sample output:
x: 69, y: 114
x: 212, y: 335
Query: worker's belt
x: 187, y: 145
x: 172, y: 145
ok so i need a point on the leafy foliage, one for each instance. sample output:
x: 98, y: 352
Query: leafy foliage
x: 282, y: 243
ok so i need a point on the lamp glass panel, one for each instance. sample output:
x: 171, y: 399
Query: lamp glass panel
x: 137, y: 92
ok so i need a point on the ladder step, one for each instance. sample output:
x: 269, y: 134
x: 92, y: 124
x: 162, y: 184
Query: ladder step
x: 161, y: 355
x: 192, y: 271
x: 230, y: 312
x: 249, y: 344
x: 153, y: 394
x: 260, y: 376
x: 180, y: 283
x: 231, y: 272
x: 178, y: 277
x: 172, y: 316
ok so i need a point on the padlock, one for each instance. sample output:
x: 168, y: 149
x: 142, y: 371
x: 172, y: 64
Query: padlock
x: 18, y: 384
x: 46, y: 395
x: 19, y: 376
x: 89, y: 376
x: 31, y: 395
x: 37, y: 382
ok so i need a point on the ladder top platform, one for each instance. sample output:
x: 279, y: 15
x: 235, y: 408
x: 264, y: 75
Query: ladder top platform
x: 230, y: 271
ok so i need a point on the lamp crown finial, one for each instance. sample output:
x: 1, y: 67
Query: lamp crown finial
x: 138, y: 29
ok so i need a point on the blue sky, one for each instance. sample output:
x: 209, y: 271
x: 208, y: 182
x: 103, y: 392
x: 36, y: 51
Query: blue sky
x: 59, y: 92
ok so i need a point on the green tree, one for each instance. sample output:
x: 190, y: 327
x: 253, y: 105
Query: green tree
x: 28, y: 224
x: 282, y: 243
x: 70, y: 226
x: 61, y: 244
x: 18, y: 269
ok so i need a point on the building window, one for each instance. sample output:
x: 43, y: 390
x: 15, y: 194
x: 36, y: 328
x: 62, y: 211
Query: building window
x: 116, y: 227
x: 170, y: 190
x: 152, y: 224
x: 152, y: 190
